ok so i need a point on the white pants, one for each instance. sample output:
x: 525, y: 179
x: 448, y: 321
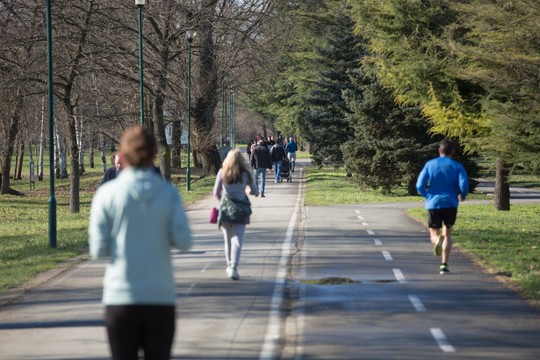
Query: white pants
x: 233, y: 235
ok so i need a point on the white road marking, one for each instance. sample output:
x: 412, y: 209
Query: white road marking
x: 387, y: 256
x: 377, y: 242
x: 205, y: 268
x: 439, y: 337
x: 357, y: 211
x: 399, y: 275
x: 370, y: 232
x: 272, y: 339
x: 360, y: 217
x: 417, y: 303
x: 364, y: 224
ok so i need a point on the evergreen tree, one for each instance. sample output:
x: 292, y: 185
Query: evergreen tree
x: 391, y: 142
x: 325, y: 125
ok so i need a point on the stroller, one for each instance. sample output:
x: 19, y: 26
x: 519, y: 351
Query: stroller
x: 286, y: 171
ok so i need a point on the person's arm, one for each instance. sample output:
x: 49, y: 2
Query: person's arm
x: 463, y: 183
x: 179, y: 232
x: 99, y: 229
x: 218, y: 186
x: 269, y: 160
x: 421, y: 183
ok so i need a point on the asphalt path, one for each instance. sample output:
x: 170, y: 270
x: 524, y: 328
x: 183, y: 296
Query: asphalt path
x: 398, y: 307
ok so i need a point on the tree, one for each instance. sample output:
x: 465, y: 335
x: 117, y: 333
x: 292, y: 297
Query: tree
x: 391, y: 142
x: 409, y: 46
x: 326, y: 127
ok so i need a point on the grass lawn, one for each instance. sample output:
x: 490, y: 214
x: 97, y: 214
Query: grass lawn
x: 24, y: 250
x: 506, y: 243
x: 330, y: 186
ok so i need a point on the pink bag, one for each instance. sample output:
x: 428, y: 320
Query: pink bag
x: 213, y: 215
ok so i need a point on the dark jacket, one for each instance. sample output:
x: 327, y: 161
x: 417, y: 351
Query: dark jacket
x: 260, y: 157
x: 109, y: 174
x: 277, y: 153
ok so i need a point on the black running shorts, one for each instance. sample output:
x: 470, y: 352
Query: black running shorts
x: 436, y: 217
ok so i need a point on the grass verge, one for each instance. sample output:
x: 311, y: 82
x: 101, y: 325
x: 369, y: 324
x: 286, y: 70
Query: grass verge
x: 506, y: 243
x: 330, y: 186
x: 24, y: 250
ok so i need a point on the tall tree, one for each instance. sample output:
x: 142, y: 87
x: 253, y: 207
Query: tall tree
x: 326, y: 127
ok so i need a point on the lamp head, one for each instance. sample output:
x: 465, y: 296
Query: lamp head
x: 190, y: 34
x: 140, y: 2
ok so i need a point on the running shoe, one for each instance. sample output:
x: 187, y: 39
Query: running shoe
x: 444, y: 269
x: 234, y: 274
x: 437, y: 248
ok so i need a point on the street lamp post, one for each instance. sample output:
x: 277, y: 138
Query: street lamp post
x: 140, y: 4
x: 52, y: 199
x: 190, y: 34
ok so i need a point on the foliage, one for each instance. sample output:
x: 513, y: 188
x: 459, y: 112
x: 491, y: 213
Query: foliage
x: 506, y: 243
x: 391, y: 142
x: 325, y: 125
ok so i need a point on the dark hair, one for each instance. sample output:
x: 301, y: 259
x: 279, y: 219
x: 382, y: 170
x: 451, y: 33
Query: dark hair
x: 447, y: 147
x: 138, y: 144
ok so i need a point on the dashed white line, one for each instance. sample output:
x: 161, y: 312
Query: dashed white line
x: 357, y: 211
x: 360, y: 217
x: 377, y: 242
x: 387, y: 256
x: 370, y: 232
x: 440, y: 338
x: 399, y: 275
x: 364, y: 224
x: 417, y: 303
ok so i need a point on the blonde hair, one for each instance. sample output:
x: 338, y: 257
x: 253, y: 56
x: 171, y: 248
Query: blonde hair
x: 233, y: 167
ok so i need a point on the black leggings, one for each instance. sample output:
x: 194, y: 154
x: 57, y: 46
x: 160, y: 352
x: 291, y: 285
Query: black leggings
x: 149, y: 327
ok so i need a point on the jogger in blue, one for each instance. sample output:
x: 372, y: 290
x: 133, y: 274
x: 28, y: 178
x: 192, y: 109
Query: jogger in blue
x: 443, y: 182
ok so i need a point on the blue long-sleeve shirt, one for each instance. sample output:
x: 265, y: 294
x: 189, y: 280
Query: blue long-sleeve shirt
x: 441, y: 181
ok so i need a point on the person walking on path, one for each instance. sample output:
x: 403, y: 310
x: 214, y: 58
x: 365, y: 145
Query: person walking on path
x: 277, y: 153
x: 291, y: 149
x: 135, y: 220
x: 443, y: 182
x: 232, y: 181
x: 261, y: 161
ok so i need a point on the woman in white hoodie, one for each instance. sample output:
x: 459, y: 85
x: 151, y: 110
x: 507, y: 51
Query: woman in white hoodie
x: 135, y: 219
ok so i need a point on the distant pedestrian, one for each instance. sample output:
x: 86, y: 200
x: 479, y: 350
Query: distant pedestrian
x: 277, y: 153
x: 443, y: 182
x: 134, y: 221
x: 261, y: 161
x: 112, y: 172
x: 291, y: 149
x: 248, y: 148
x: 230, y: 186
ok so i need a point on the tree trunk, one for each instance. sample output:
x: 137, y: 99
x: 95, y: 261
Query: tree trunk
x: 164, y: 150
x: 502, y: 187
x: 12, y: 131
x: 92, y: 149
x: 61, y: 161
x: 102, y: 152
x: 205, y: 102
x: 79, y: 127
x: 18, y: 170
x: 411, y: 187
x: 176, y: 145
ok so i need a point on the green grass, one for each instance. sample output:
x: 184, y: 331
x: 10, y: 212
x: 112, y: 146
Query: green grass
x: 24, y: 250
x: 330, y: 186
x: 507, y: 243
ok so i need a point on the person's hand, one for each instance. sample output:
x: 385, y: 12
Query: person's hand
x: 460, y: 199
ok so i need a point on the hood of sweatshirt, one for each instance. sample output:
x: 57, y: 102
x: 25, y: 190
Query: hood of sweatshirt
x: 142, y: 183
